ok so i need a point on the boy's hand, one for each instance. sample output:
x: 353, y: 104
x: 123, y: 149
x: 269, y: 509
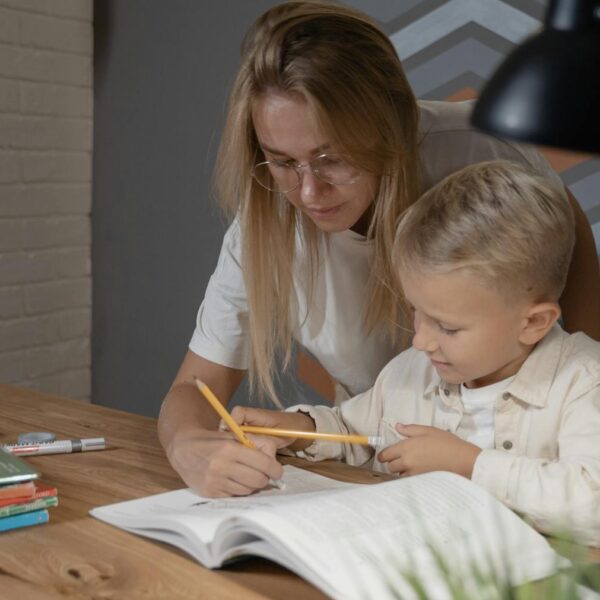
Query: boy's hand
x: 428, y: 449
x: 276, y: 419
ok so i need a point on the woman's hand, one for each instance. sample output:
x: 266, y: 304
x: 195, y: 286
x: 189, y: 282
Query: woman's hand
x: 428, y: 449
x: 211, y: 462
x: 216, y: 465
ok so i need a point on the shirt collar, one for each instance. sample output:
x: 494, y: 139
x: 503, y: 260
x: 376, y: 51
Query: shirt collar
x: 437, y: 386
x: 535, y: 377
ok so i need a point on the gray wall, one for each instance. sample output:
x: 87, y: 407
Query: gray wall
x: 161, y: 77
x: 162, y: 71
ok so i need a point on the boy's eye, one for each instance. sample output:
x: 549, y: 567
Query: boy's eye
x: 447, y: 330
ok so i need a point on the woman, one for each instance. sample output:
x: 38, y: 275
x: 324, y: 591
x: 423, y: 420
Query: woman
x: 324, y: 147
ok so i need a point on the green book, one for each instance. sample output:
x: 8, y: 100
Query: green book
x: 23, y: 507
x: 14, y: 469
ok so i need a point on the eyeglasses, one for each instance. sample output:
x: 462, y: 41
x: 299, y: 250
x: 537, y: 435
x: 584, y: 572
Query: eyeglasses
x: 285, y: 176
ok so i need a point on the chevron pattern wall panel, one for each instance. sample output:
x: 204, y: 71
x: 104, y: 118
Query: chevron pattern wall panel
x: 450, y: 48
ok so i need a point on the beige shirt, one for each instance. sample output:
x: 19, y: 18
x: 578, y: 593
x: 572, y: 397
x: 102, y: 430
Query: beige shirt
x: 546, y: 459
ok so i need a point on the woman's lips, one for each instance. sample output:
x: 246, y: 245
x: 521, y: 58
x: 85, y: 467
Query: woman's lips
x: 324, y: 212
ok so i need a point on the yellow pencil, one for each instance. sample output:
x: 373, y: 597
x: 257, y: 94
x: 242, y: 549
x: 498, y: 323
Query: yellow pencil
x: 365, y: 440
x: 235, y: 428
x: 222, y: 412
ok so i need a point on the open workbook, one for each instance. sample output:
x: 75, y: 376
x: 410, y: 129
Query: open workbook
x: 350, y: 540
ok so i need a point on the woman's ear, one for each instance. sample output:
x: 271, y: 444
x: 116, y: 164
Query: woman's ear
x: 539, y: 320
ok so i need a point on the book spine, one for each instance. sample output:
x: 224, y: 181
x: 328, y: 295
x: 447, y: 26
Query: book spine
x: 24, y: 507
x: 43, y: 492
x: 17, y: 489
x: 38, y: 492
x: 24, y: 520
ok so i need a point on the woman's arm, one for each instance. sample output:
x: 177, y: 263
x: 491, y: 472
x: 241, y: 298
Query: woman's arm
x: 210, y: 461
x: 580, y: 301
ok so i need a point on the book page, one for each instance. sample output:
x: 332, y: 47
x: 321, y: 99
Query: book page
x: 189, y: 521
x: 351, y: 540
x: 352, y: 543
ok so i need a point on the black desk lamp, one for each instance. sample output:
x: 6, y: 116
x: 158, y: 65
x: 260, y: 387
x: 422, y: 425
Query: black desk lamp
x: 547, y: 91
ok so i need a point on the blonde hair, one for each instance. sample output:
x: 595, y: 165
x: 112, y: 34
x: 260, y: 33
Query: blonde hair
x: 347, y: 71
x: 498, y: 220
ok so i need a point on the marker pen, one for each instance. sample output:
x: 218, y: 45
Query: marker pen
x: 57, y: 447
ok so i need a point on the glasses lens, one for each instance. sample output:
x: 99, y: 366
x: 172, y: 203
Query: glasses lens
x: 277, y: 177
x: 335, y: 169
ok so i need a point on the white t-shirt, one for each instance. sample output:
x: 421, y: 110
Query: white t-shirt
x: 333, y: 331
x: 479, y: 413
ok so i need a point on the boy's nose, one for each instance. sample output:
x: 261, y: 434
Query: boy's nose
x: 423, y: 340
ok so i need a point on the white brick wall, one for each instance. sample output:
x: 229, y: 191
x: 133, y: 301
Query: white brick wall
x: 45, y: 194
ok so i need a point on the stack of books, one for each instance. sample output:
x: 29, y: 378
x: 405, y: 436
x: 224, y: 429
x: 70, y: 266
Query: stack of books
x: 24, y: 500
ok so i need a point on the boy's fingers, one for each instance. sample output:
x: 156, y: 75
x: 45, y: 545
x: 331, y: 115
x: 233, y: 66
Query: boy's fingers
x: 411, y: 430
x: 397, y: 466
x: 390, y: 453
x: 238, y: 413
x: 261, y: 417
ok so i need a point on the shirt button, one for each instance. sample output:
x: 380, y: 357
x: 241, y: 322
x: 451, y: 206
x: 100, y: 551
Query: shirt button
x: 507, y: 445
x: 506, y: 396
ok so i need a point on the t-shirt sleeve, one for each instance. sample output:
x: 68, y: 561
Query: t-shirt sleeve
x: 221, y: 324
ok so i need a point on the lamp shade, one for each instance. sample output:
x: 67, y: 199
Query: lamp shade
x: 547, y: 91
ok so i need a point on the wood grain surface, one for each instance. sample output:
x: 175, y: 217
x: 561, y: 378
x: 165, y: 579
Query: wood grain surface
x: 77, y: 557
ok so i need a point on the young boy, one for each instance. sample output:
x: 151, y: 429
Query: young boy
x: 493, y: 388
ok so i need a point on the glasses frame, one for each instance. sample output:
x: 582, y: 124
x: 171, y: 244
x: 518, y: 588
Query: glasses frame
x: 297, y: 167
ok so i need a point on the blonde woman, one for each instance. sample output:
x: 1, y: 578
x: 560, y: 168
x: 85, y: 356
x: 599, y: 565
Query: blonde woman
x: 324, y: 147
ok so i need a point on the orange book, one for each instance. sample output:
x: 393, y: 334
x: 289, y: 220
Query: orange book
x: 25, y: 492
x: 14, y: 490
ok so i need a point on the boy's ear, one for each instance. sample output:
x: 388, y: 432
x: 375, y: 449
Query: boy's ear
x: 539, y: 320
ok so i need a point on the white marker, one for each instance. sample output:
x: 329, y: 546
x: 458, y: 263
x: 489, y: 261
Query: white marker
x: 57, y: 447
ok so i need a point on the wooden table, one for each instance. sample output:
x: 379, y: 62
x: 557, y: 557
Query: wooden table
x: 77, y: 557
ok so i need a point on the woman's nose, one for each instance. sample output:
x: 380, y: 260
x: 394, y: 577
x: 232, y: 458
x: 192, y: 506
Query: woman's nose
x: 310, y: 184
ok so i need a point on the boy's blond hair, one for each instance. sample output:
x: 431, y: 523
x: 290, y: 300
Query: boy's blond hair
x: 499, y: 221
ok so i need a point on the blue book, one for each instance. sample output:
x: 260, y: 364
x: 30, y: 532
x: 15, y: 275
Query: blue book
x: 37, y: 517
